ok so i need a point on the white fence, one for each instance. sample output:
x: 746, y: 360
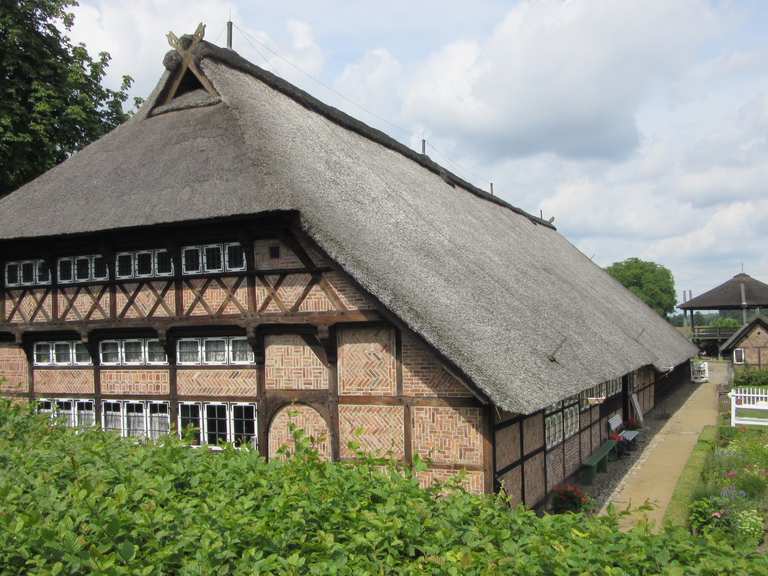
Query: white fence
x: 754, y: 400
x: 700, y: 372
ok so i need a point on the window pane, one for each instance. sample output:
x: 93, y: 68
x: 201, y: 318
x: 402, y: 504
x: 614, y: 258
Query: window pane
x: 43, y: 272
x: 156, y: 352
x: 189, y: 351
x: 159, y: 420
x: 191, y: 260
x: 83, y: 269
x: 100, y: 271
x: 213, y: 259
x: 144, y: 264
x: 738, y: 356
x: 28, y: 273
x: 42, y: 353
x: 65, y: 270
x: 235, y: 257
x: 82, y: 356
x: 241, y: 351
x: 133, y: 352
x: 274, y: 252
x: 112, y: 420
x: 45, y: 406
x: 215, y: 351
x: 163, y: 264
x: 134, y: 419
x: 125, y: 265
x: 62, y: 353
x: 86, y: 416
x: 244, y: 422
x: 190, y: 421
x: 65, y: 412
x: 11, y: 273
x: 216, y: 423
x: 110, y: 353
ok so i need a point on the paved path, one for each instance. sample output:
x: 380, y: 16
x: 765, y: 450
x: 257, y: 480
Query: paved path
x: 654, y: 476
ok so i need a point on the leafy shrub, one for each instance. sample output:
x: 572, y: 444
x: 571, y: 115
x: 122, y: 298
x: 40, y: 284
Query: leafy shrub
x: 748, y: 376
x: 725, y: 322
x: 751, y: 481
x: 93, y: 503
x: 748, y: 525
x: 569, y: 498
x: 707, y: 514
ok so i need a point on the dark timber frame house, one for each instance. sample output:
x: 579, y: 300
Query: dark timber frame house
x: 239, y: 254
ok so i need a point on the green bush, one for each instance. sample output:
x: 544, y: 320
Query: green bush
x: 747, y: 376
x: 748, y: 525
x: 92, y: 503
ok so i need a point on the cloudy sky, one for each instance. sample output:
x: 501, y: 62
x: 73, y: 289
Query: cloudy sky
x: 640, y: 126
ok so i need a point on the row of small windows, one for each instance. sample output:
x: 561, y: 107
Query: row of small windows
x: 202, y: 423
x: 65, y: 353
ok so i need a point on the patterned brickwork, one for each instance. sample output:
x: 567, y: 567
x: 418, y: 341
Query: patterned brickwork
x: 447, y: 435
x: 349, y: 295
x: 473, y: 482
x: 291, y: 288
x: 755, y: 345
x: 223, y: 382
x: 380, y: 430
x: 215, y: 296
x: 317, y: 301
x: 534, y: 479
x: 146, y: 300
x: 533, y: 433
x: 424, y: 375
x: 139, y: 382
x: 14, y: 375
x: 572, y: 455
x: 292, y: 365
x: 512, y: 484
x: 84, y: 303
x: 595, y: 436
x: 31, y: 305
x: 366, y: 361
x: 264, y: 261
x: 75, y: 381
x: 507, y: 446
x: 554, y: 467
x: 586, y: 443
x: 305, y: 418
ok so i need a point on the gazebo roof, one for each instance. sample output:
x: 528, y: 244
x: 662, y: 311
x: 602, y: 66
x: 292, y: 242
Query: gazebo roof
x: 741, y: 291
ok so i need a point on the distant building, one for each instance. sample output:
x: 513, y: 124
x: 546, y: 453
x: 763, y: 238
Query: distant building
x: 239, y: 254
x: 749, y: 345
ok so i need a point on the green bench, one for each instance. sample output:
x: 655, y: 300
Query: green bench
x: 596, y: 462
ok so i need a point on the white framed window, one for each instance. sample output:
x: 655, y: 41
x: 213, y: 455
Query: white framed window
x: 42, y: 272
x: 243, y: 425
x: 12, y: 274
x: 163, y: 263
x: 215, y: 351
x: 82, y: 268
x: 124, y: 265
x: 216, y: 423
x: 145, y: 264
x: 42, y: 354
x: 190, y: 423
x: 112, y: 416
x: 234, y: 257
x: 28, y: 272
x: 109, y: 352
x: 86, y: 414
x: 135, y: 416
x: 191, y: 260
x: 156, y: 353
x: 240, y: 351
x: 65, y: 410
x: 62, y: 353
x: 188, y: 351
x: 553, y: 429
x: 213, y: 259
x: 570, y: 420
x: 45, y: 406
x: 82, y: 356
x: 66, y: 270
x: 133, y: 352
x: 158, y: 420
x: 738, y: 355
x: 99, y: 268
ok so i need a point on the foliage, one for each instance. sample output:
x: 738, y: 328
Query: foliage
x: 650, y: 282
x: 93, y: 503
x: 748, y: 376
x: 569, y: 498
x: 688, y: 485
x: 52, y: 102
x: 725, y: 322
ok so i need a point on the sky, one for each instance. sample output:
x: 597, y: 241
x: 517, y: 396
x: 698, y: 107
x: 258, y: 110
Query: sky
x: 641, y: 127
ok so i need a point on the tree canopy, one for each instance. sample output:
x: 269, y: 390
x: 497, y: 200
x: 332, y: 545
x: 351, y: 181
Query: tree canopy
x: 52, y: 102
x: 651, y: 282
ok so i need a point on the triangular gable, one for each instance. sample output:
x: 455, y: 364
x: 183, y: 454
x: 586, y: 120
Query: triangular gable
x: 742, y: 333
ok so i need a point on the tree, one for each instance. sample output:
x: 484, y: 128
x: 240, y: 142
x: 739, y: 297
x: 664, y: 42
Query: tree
x: 52, y: 102
x: 650, y: 282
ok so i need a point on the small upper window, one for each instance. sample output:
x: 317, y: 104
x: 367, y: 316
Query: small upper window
x: 43, y: 272
x: 124, y: 265
x: 213, y: 261
x: 133, y: 352
x: 235, y: 256
x: 99, y: 266
x: 144, y: 264
x: 109, y: 352
x: 156, y: 353
x: 28, y: 273
x: 274, y: 252
x: 240, y: 351
x: 65, y: 270
x: 42, y: 353
x: 191, y: 260
x: 82, y: 355
x: 82, y: 268
x: 188, y: 351
x: 215, y: 351
x: 738, y: 356
x: 11, y: 274
x: 62, y: 353
x: 163, y: 263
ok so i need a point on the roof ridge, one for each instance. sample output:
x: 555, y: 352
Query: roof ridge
x: 232, y: 59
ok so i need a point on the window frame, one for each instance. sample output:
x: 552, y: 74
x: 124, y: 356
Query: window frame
x: 50, y: 354
x: 121, y: 413
x: 16, y: 265
x: 89, y: 260
x: 74, y: 354
x: 251, y: 355
x: 207, y: 362
x: 226, y: 257
x: 55, y: 356
x: 146, y: 353
x: 184, y: 269
x: 136, y: 255
x: 59, y: 262
x: 179, y: 362
x: 123, y: 357
x: 148, y: 418
x: 78, y: 424
x: 106, y: 267
x: 743, y: 356
x: 38, y: 263
x: 119, y: 276
x: 154, y: 263
x: 144, y: 412
x: 254, y: 443
x: 179, y: 426
x: 21, y: 273
x: 206, y: 269
x: 119, y: 352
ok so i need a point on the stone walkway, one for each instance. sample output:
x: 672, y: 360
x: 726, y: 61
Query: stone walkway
x: 654, y: 475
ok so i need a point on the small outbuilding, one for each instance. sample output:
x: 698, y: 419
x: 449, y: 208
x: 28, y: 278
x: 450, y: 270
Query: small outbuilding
x: 749, y: 345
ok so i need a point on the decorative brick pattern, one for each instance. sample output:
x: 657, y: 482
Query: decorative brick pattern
x: 424, y: 375
x: 473, y: 482
x: 139, y: 382
x: 292, y: 365
x: 223, y: 382
x: 366, y: 361
x: 533, y: 433
x: 554, y: 467
x: 317, y: 301
x: 75, y: 381
x: 380, y: 427
x: 447, y: 435
x: 512, y: 484
x: 534, y: 479
x: 755, y: 345
x: 586, y: 443
x: 264, y: 261
x: 572, y: 455
x: 34, y: 305
x: 507, y: 446
x: 349, y: 295
x: 149, y: 301
x: 272, y: 306
x: 14, y: 375
x: 214, y: 296
x: 305, y: 418
x: 75, y: 303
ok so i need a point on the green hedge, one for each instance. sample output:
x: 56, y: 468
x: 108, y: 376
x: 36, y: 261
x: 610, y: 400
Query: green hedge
x: 92, y: 503
x: 750, y: 377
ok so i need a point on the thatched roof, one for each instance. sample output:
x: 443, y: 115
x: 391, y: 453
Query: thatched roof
x: 501, y: 294
x: 741, y: 291
x: 742, y: 332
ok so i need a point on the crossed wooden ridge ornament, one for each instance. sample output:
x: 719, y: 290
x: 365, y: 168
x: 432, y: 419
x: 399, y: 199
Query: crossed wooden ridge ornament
x: 187, y: 63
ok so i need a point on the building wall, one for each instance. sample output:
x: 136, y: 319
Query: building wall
x: 14, y: 369
x: 755, y: 345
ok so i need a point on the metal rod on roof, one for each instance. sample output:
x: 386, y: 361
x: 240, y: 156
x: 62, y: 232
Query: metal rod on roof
x: 229, y: 34
x: 424, y: 146
x: 491, y: 188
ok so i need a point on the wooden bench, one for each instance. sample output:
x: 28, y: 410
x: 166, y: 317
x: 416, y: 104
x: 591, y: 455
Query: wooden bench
x: 615, y: 423
x: 596, y: 462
